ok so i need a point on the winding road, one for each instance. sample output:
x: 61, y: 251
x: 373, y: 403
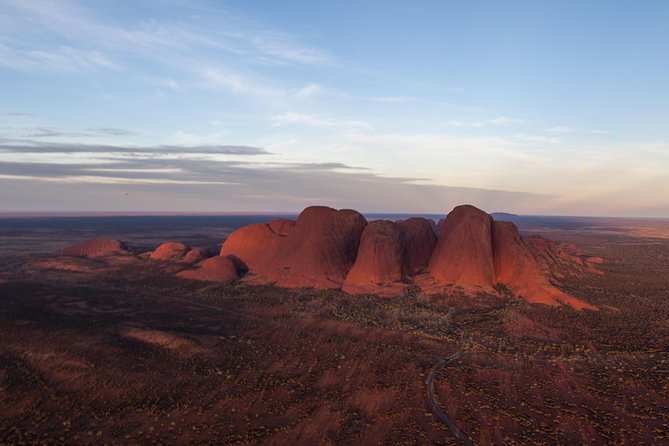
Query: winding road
x: 432, y: 400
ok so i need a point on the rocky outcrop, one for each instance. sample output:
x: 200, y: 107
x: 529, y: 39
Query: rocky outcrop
x: 327, y: 248
x: 381, y: 261
x: 520, y: 270
x: 98, y: 247
x: 321, y: 248
x: 463, y: 255
x: 254, y: 248
x: 170, y: 251
x: 419, y: 239
x: 195, y: 255
x: 214, y: 269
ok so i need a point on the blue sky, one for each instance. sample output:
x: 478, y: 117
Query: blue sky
x: 213, y: 106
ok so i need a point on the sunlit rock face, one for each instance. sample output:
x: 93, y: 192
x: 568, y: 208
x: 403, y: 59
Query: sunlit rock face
x: 254, y: 248
x: 463, y: 255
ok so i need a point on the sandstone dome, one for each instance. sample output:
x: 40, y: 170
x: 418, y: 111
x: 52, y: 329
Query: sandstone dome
x: 380, y: 259
x: 463, y: 255
x: 98, y: 247
x: 171, y: 251
x: 215, y: 269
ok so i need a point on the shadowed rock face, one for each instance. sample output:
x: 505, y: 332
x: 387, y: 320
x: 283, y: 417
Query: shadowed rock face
x: 463, y: 255
x: 380, y: 259
x: 321, y: 248
x: 98, y: 247
x: 215, y: 269
x: 419, y: 241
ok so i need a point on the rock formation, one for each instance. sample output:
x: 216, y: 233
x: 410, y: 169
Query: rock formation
x: 195, y: 255
x: 320, y: 250
x: 98, y: 247
x: 172, y: 251
x: 316, y: 251
x: 215, y: 269
x: 282, y: 226
x: 518, y: 268
x: 253, y: 248
x: 380, y: 262
x: 463, y: 255
x: 326, y: 248
x: 420, y: 238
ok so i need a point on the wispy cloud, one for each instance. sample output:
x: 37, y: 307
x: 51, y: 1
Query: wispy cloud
x: 27, y: 146
x: 318, y: 121
x: 19, y: 132
x: 500, y: 120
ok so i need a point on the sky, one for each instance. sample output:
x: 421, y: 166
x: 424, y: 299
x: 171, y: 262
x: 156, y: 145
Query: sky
x: 550, y: 107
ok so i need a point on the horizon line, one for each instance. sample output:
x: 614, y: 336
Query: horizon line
x: 70, y: 214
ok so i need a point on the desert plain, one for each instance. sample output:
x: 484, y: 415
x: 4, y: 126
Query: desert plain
x: 119, y: 351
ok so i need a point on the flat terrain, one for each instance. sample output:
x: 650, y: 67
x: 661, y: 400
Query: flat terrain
x: 123, y: 353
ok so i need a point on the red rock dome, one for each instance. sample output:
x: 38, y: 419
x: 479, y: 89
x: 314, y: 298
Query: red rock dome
x: 380, y: 259
x: 98, y: 247
x: 254, y: 248
x: 195, y: 255
x: 463, y: 255
x: 321, y: 249
x: 215, y: 269
x: 172, y: 251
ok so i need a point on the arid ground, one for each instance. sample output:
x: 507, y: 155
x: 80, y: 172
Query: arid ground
x: 120, y: 352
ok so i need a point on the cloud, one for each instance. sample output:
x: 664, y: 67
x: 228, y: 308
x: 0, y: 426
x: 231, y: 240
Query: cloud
x: 36, y: 147
x: 313, y: 89
x: 500, y: 120
x: 19, y: 114
x: 63, y: 58
x: 318, y: 121
x: 559, y: 130
x: 200, y: 185
x: 111, y: 131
